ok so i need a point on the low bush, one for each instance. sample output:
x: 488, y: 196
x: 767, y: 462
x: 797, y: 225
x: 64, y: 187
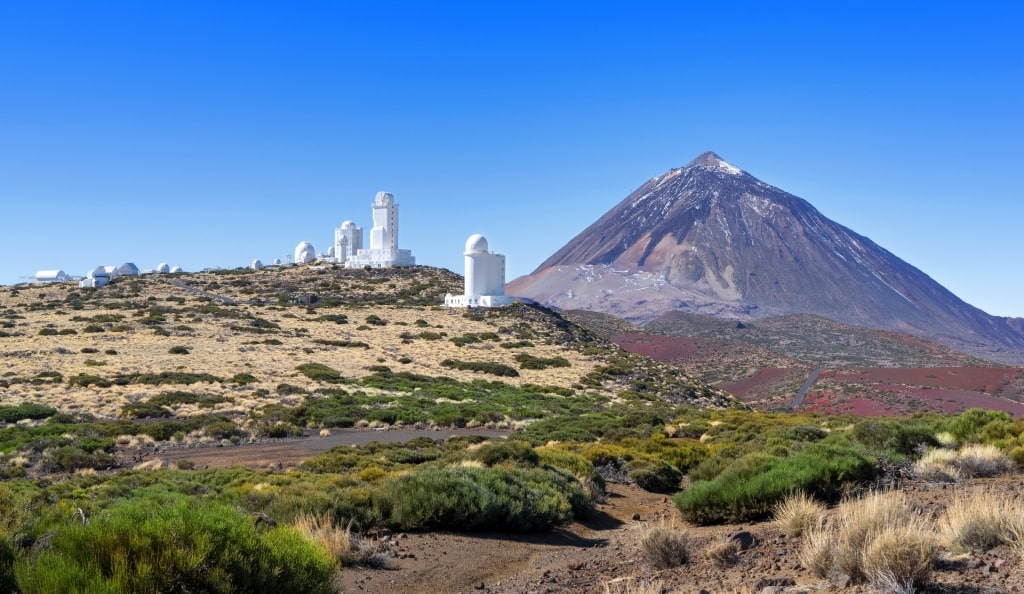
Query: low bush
x: 25, y: 410
x: 496, y: 452
x: 179, y: 397
x: 665, y: 548
x: 176, y: 546
x: 321, y: 373
x: 243, y: 379
x: 499, y: 369
x: 528, y: 361
x: 656, y: 476
x: 747, y: 492
x: 144, y: 410
x: 178, y: 350
x: 468, y: 498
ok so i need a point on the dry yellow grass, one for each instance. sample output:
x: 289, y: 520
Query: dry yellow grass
x: 799, y: 513
x: 879, y: 538
x: 216, y: 349
x: 977, y: 521
x: 633, y: 586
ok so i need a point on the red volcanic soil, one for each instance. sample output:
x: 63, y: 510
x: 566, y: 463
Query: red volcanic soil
x: 895, y: 391
x: 769, y: 376
x: 668, y: 348
x: 1003, y: 381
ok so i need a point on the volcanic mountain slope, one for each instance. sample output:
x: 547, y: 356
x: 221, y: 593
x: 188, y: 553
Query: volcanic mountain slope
x: 710, y: 238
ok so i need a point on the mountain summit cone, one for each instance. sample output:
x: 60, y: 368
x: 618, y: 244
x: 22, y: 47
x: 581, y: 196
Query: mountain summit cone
x: 710, y: 238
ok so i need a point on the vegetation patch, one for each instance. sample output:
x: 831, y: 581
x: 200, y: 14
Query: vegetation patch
x: 499, y: 369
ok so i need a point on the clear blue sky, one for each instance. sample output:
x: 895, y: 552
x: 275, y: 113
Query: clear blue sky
x: 211, y: 133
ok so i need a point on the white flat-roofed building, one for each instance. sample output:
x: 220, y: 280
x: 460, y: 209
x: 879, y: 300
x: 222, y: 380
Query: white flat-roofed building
x: 96, y: 278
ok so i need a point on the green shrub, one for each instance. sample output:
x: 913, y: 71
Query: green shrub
x: 490, y: 367
x: 175, y: 377
x: 70, y: 458
x: 176, y: 546
x: 501, y: 451
x: 466, y: 498
x: 242, y: 379
x: 375, y: 320
x: 528, y: 361
x: 144, y: 410
x: 85, y: 380
x: 656, y: 476
x: 93, y: 328
x: 48, y: 332
x: 179, y: 397
x: 289, y: 389
x: 25, y: 410
x: 178, y: 350
x: 321, y: 373
x: 883, y: 436
x: 968, y: 425
x: 748, y: 490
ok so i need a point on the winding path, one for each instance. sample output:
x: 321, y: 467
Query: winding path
x: 799, y: 399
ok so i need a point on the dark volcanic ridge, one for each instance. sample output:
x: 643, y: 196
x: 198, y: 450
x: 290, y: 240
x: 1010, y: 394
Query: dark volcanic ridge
x: 712, y: 239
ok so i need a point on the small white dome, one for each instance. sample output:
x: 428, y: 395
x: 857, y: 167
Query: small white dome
x: 476, y: 244
x: 175, y: 269
x: 304, y: 253
x: 163, y: 268
x: 277, y: 261
x: 256, y: 264
x: 98, y: 272
x: 384, y: 198
x: 347, y: 225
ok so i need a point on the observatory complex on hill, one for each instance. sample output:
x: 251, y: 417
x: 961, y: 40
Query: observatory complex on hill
x: 348, y: 241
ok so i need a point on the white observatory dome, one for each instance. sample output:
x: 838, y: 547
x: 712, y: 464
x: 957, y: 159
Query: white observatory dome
x: 304, y: 253
x: 256, y: 264
x: 175, y: 269
x: 384, y: 198
x: 476, y: 244
x: 347, y: 225
x: 163, y: 268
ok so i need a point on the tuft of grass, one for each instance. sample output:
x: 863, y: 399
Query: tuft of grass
x: 900, y: 555
x: 982, y: 460
x: 665, y: 548
x: 975, y: 522
x: 725, y: 552
x: 337, y: 541
x: 937, y: 465
x: 817, y: 551
x: 799, y: 513
x: 633, y: 586
x: 861, y: 520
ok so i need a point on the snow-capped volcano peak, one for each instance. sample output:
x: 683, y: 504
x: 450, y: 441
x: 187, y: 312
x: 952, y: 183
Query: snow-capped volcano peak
x: 711, y: 160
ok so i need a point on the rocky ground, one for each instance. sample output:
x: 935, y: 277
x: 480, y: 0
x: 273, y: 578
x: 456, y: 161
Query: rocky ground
x: 603, y: 553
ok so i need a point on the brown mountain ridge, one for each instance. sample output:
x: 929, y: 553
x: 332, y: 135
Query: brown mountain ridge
x: 710, y: 238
